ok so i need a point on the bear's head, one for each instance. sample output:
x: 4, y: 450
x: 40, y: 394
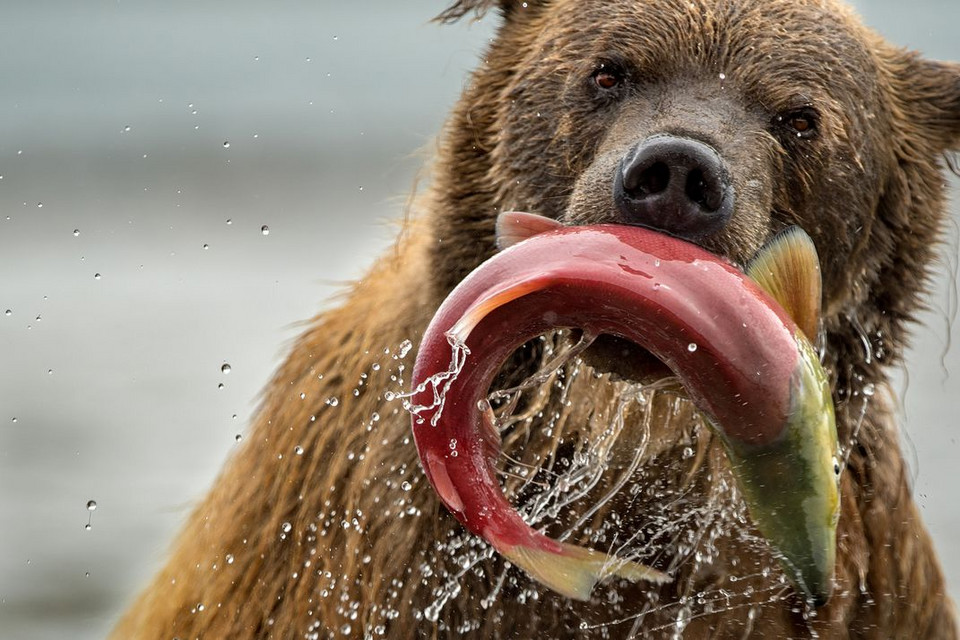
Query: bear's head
x: 722, y: 122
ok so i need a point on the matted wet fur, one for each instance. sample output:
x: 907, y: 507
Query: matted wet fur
x: 348, y: 539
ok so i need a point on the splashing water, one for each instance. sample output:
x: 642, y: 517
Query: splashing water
x: 636, y: 474
x: 439, y: 382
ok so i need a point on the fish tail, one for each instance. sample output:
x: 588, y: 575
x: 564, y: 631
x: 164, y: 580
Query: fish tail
x: 575, y: 570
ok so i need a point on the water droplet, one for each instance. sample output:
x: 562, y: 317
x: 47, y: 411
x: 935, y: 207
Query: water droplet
x: 406, y: 486
x: 96, y: 276
x: 225, y: 369
x: 76, y: 232
x: 286, y: 527
x: 389, y: 396
x: 265, y: 230
x: 298, y: 450
x: 229, y: 558
x: 87, y: 527
x: 220, y: 386
x: 405, y: 347
x: 333, y: 401
x: 869, y: 389
x: 8, y: 312
x: 345, y: 629
x: 206, y: 246
x: 238, y: 437
x: 229, y: 220
x: 723, y: 76
x: 86, y: 574
x: 335, y: 38
x: 13, y: 419
x: 91, y: 505
x: 49, y: 372
x: 39, y: 205
x: 226, y: 144
x: 256, y: 58
x: 692, y: 347
x: 688, y: 452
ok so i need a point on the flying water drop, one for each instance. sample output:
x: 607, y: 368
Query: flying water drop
x: 91, y: 507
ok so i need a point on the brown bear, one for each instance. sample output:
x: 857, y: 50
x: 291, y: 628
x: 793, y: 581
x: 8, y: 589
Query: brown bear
x: 323, y: 524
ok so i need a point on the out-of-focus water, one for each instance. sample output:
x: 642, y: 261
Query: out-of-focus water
x: 149, y: 143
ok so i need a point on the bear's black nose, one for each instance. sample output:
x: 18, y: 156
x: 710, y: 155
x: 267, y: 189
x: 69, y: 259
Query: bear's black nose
x: 674, y: 184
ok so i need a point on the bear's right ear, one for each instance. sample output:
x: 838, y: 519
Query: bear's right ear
x: 930, y: 91
x: 479, y: 8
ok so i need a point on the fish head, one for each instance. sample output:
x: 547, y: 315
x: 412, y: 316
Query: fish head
x: 792, y: 486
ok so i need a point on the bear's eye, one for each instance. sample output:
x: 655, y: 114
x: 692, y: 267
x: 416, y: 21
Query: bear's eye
x: 606, y: 79
x: 607, y: 76
x: 800, y: 122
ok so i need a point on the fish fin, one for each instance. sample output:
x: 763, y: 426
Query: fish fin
x: 442, y: 483
x: 516, y: 226
x: 787, y: 268
x: 489, y: 303
x: 575, y: 570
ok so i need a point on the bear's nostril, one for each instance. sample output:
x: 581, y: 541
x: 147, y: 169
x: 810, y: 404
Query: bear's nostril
x: 698, y: 190
x: 654, y: 180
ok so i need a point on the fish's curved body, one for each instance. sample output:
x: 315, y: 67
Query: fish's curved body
x: 740, y: 357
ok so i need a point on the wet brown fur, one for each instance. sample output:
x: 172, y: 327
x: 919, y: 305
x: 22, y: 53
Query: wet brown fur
x: 363, y: 555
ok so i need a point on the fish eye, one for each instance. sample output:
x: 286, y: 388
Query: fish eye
x: 836, y: 466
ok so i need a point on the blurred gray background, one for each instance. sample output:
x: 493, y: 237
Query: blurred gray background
x: 149, y: 143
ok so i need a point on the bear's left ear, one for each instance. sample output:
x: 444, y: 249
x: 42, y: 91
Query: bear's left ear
x: 929, y: 92
x: 480, y: 7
